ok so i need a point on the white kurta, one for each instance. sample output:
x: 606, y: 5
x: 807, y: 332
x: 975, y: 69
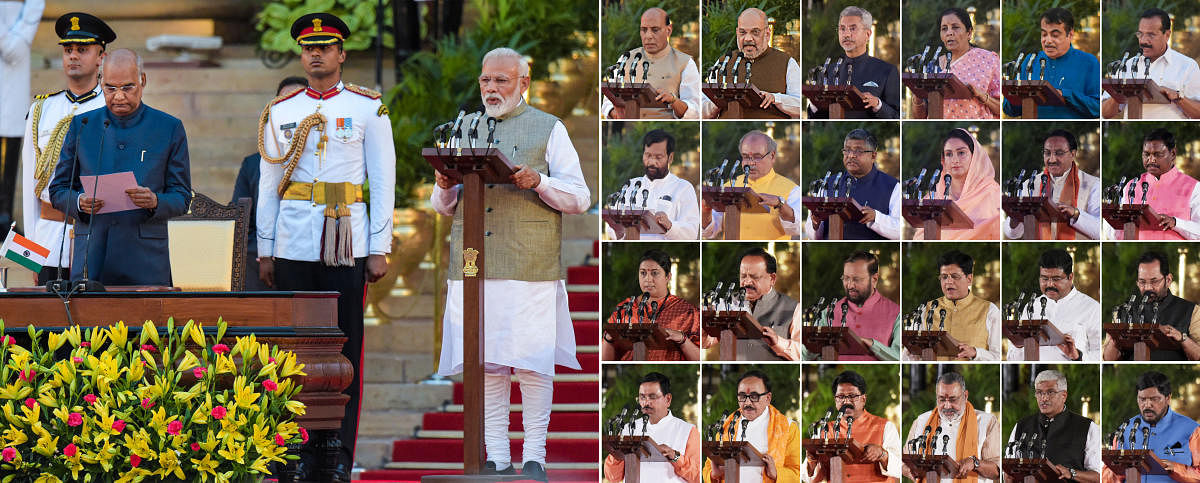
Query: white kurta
x: 672, y: 432
x: 790, y: 102
x: 18, y: 24
x: 756, y: 435
x: 48, y: 233
x: 889, y: 226
x: 527, y: 324
x: 674, y: 196
x: 1091, y: 448
x: 1088, y: 224
x: 951, y: 428
x: 1172, y: 70
x: 1076, y: 315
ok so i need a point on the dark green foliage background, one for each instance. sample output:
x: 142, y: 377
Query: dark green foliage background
x: 820, y: 28
x: 621, y: 268
x: 720, y: 388
x: 1123, y: 147
x: 1083, y: 380
x: 721, y: 261
x: 823, y: 267
x: 721, y: 142
x: 1120, y: 19
x: 921, y: 271
x: 922, y: 26
x: 1120, y: 383
x: 622, y: 20
x: 883, y: 389
x: 621, y: 383
x: 1021, y: 269
x: 1119, y: 271
x: 1024, y: 140
x: 622, y: 153
x: 1023, y: 28
x: 823, y: 142
x: 720, y: 23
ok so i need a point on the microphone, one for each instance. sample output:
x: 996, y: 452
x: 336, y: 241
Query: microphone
x: 1145, y: 437
x: 722, y: 72
x: 837, y: 71
x: 937, y: 53
x: 456, y: 129
x: 945, y: 444
x: 622, y: 62
x: 920, y: 178
x: 1045, y: 299
x: 58, y: 285
x: 1145, y: 188
x: 633, y: 71
x: 1147, y: 69
x: 645, y: 197
x: 1042, y: 68
x: 942, y: 322
x: 721, y: 173
x: 921, y: 59
x: 1020, y: 58
x: 933, y: 181
x: 85, y: 284
x: 1123, y: 66
x: 947, y: 179
x: 737, y: 61
x: 491, y: 125
x: 748, y: 64
x: 645, y: 70
x: 473, y: 133
x: 1029, y: 67
x: 825, y: 70
x: 845, y: 308
x: 746, y: 424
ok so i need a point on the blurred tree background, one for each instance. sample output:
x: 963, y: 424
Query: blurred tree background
x: 720, y: 142
x: 820, y: 27
x: 1120, y: 381
x: 1023, y: 26
x: 823, y: 263
x: 721, y: 261
x: 1121, y: 19
x: 720, y: 27
x: 622, y: 154
x: 922, y: 147
x: 1083, y: 391
x: 719, y: 389
x: 920, y: 389
x: 1023, y: 143
x: 922, y: 26
x: 621, y: 271
x: 883, y: 390
x: 620, y: 30
x: 921, y: 271
x: 1021, y: 267
x: 621, y: 383
x: 1123, y: 148
x: 1119, y: 270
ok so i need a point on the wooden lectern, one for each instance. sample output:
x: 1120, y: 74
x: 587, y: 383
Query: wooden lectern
x: 635, y: 222
x: 832, y: 342
x: 1142, y: 338
x: 935, y: 89
x: 934, y: 215
x: 837, y: 99
x: 1030, y: 470
x: 833, y: 454
x: 1029, y: 94
x: 732, y: 455
x: 837, y: 210
x: 637, y: 337
x: 733, y: 201
x: 1030, y: 335
x: 629, y: 96
x: 933, y: 467
x: 1032, y: 211
x: 729, y: 326
x: 634, y: 450
x: 732, y: 98
x: 1129, y: 218
x: 1133, y: 463
x: 928, y: 345
x: 1134, y: 93
x: 475, y: 167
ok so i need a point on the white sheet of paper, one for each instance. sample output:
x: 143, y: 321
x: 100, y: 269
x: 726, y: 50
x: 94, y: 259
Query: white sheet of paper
x: 110, y: 188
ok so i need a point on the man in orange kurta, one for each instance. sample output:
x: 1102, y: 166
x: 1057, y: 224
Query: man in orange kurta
x: 765, y: 428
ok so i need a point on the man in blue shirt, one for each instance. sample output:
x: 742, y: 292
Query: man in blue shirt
x: 1073, y: 72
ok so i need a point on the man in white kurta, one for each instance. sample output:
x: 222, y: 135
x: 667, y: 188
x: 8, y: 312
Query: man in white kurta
x: 678, y: 440
x: 953, y: 408
x: 1176, y: 75
x: 18, y: 24
x: 528, y: 321
x: 82, y: 38
x: 1075, y: 314
x: 669, y: 71
x: 1074, y: 192
x: 670, y: 198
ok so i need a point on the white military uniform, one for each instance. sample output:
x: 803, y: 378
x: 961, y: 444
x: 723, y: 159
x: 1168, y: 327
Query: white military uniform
x: 358, y: 147
x: 18, y: 24
x: 53, y: 119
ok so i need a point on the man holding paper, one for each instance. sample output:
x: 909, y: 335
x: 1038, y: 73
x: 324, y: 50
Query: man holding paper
x: 135, y: 161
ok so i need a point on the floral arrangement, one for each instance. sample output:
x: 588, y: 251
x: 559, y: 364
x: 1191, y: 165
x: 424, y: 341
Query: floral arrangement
x: 93, y: 405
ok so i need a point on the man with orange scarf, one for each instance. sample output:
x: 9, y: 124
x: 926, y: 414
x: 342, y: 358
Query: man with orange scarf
x: 880, y: 438
x: 1174, y: 196
x: 971, y: 436
x: 973, y: 187
x: 1075, y: 193
x: 767, y: 429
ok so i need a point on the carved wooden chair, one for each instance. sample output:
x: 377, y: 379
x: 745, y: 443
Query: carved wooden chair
x: 208, y: 246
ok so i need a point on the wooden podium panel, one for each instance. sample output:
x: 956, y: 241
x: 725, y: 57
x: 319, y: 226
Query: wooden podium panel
x: 935, y: 215
x: 1134, y: 93
x: 1030, y: 335
x: 837, y: 99
x: 935, y: 88
x: 1029, y: 94
x: 733, y: 98
x: 928, y: 345
x: 837, y: 210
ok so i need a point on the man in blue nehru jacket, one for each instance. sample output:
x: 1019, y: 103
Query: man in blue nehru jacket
x: 1073, y: 72
x: 126, y: 247
x: 876, y: 191
x: 1173, y: 437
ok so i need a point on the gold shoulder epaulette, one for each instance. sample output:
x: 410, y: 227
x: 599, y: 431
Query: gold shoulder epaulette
x: 48, y: 94
x: 279, y: 99
x: 363, y: 91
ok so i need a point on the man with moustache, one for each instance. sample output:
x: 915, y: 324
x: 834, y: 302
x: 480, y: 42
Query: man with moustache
x: 1178, y: 319
x: 1177, y: 75
x: 1074, y: 313
x: 974, y: 435
x: 1173, y: 195
x: 881, y: 459
x: 83, y: 38
x: 1075, y: 74
x: 972, y: 321
x: 876, y: 191
x: 530, y: 337
x: 678, y: 440
x: 673, y: 74
x: 774, y: 72
x: 671, y: 198
x: 873, y: 318
x: 773, y: 310
x: 878, y: 80
x: 1074, y: 458
x: 1173, y: 437
x: 678, y: 317
x: 1075, y: 193
x: 324, y: 149
x: 781, y: 195
x: 767, y: 430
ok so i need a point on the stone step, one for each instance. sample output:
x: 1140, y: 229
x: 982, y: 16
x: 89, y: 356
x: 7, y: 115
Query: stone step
x: 389, y: 423
x: 520, y: 435
x: 406, y: 396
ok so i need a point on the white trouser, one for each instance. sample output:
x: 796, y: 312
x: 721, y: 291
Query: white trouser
x: 537, y: 393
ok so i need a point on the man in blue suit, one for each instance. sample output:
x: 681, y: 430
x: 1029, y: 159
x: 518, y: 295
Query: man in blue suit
x: 126, y: 247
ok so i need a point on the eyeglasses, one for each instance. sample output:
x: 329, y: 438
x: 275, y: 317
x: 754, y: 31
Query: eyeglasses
x: 754, y: 158
x: 752, y: 397
x: 1151, y: 399
x: 1051, y: 279
x: 1145, y: 35
x: 949, y: 400
x: 1045, y: 394
x: 855, y: 152
x: 1057, y: 153
x: 854, y: 280
x: 655, y: 157
x: 1155, y: 154
x: 1149, y: 283
x: 649, y: 397
x: 846, y: 397
x: 848, y: 29
x: 127, y: 88
x: 951, y: 276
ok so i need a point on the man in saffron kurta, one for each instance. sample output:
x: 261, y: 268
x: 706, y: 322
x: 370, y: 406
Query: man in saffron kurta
x: 974, y: 436
x: 1174, y: 196
x: 1174, y: 438
x: 879, y: 437
x: 678, y: 440
x: 677, y: 316
x: 972, y: 321
x: 768, y: 430
x: 1075, y: 193
x: 781, y: 195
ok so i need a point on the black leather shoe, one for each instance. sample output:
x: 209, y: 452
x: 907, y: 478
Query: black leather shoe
x: 534, y: 471
x: 489, y: 468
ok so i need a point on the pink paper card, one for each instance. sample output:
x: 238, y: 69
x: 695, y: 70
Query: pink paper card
x: 110, y: 188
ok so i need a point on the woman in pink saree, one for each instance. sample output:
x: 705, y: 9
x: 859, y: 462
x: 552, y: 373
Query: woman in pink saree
x: 973, y: 188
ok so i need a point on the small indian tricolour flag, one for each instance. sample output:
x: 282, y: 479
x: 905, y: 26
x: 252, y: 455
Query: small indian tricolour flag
x: 24, y: 252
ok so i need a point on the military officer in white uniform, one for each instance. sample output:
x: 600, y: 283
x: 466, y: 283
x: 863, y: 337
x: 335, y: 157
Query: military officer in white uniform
x: 321, y: 147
